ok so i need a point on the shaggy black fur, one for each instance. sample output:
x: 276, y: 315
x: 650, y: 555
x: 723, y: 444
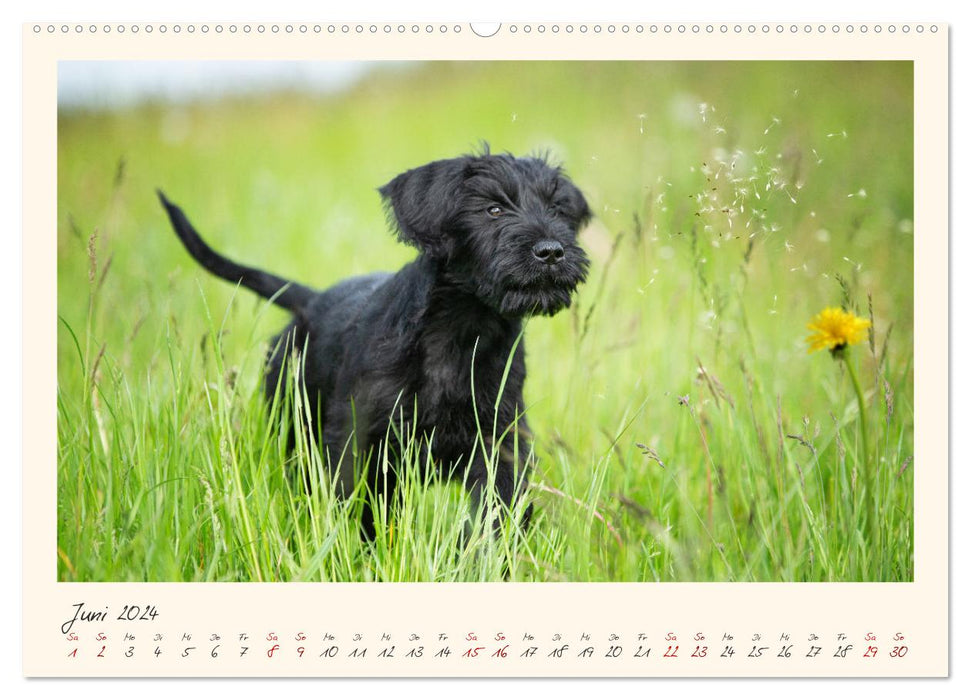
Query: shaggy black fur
x: 497, y: 242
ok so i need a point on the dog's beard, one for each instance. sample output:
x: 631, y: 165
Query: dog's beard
x: 534, y: 302
x: 539, y: 291
x: 536, y: 291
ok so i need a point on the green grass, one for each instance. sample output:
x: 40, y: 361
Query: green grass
x: 682, y: 431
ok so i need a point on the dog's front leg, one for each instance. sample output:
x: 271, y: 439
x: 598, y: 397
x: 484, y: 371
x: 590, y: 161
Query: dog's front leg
x: 355, y: 459
x: 495, y: 488
x: 381, y: 494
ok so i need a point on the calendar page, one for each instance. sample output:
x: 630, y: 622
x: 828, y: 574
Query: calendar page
x: 485, y: 350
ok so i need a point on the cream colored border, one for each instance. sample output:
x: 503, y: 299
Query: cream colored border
x: 919, y: 610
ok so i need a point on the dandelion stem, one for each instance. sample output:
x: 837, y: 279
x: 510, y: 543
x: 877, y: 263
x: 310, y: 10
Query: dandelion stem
x: 864, y: 437
x: 861, y: 403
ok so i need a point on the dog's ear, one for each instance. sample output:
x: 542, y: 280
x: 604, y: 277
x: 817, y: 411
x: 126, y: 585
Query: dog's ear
x: 583, y: 210
x: 576, y: 204
x: 422, y: 203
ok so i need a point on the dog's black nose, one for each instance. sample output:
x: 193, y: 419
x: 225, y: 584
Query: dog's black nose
x: 548, y: 251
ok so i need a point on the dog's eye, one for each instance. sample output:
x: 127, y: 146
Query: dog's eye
x: 494, y: 212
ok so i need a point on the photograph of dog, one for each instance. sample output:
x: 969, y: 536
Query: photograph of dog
x: 485, y: 321
x: 496, y: 237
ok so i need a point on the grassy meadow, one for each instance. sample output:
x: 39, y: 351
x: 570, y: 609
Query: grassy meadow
x: 683, y: 431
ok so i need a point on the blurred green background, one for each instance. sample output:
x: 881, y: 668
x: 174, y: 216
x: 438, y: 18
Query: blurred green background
x: 732, y: 200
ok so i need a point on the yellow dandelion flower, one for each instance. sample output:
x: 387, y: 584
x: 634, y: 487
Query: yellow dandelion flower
x: 834, y: 329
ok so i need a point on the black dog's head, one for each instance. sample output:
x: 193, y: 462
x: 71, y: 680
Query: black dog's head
x: 504, y: 228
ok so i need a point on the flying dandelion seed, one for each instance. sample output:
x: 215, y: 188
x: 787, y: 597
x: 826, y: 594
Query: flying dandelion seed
x: 641, y: 118
x: 858, y: 266
x: 514, y: 116
x: 789, y: 247
x: 833, y: 329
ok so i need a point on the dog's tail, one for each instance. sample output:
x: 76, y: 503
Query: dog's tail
x: 289, y: 295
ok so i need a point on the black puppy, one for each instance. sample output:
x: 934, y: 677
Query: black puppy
x: 396, y: 354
